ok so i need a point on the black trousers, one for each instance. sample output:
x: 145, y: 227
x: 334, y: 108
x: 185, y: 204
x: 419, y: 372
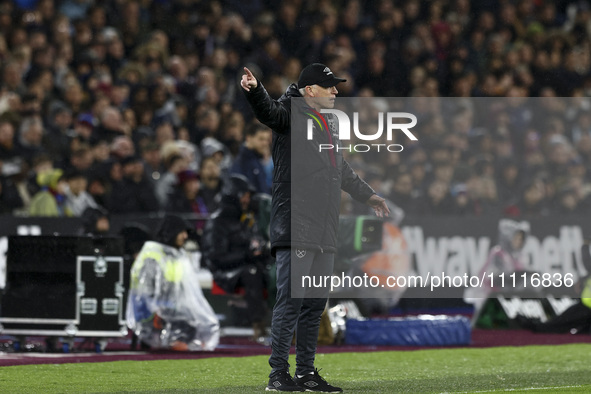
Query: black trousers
x: 298, y: 308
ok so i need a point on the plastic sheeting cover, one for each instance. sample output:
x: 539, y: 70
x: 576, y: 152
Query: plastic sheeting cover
x: 166, y: 305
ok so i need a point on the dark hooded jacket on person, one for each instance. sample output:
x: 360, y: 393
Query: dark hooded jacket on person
x: 170, y: 228
x: 304, y: 213
x: 228, y: 234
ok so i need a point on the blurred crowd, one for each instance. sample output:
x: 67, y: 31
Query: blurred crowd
x: 134, y: 105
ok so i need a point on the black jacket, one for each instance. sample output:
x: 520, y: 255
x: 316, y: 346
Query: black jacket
x: 226, y: 245
x: 128, y: 196
x: 226, y: 240
x: 312, y: 201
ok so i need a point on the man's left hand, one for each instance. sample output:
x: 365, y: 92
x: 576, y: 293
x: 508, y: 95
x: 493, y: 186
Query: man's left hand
x: 379, y: 206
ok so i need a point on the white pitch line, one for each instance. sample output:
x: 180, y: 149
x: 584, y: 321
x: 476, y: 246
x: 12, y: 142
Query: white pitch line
x: 21, y: 356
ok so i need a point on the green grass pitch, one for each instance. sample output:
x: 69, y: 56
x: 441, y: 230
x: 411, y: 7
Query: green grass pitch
x: 531, y: 369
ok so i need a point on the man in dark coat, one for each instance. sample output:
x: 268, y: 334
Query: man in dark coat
x: 235, y: 255
x: 134, y: 193
x: 249, y: 160
x: 303, y: 224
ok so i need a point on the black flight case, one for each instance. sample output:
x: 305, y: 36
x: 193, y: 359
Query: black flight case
x: 64, y: 286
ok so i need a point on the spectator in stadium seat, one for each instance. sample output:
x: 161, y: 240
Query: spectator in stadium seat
x: 134, y: 193
x: 566, y: 202
x: 50, y: 200
x: 10, y: 199
x: 41, y: 163
x: 30, y: 105
x: 77, y: 198
x: 503, y: 147
x: 81, y: 158
x: 211, y: 183
x: 59, y: 120
x: 560, y: 153
x: 175, y: 164
x: 231, y: 132
x: 74, y: 96
x: 418, y: 171
x: 402, y: 193
x: 486, y: 196
x: 582, y: 126
x: 98, y: 188
x: 100, y: 151
x: 57, y: 139
x: 533, y: 200
x: 109, y: 172
x: 190, y: 152
x: 153, y: 166
x: 534, y: 157
x: 436, y: 200
x: 12, y: 77
x: 111, y: 124
x: 249, y: 160
x: 8, y: 148
x: 84, y: 126
x: 186, y: 198
x: 122, y: 147
x: 163, y: 133
x: 509, y: 181
x: 462, y: 202
x: 211, y: 147
x: 31, y: 138
x: 207, y: 123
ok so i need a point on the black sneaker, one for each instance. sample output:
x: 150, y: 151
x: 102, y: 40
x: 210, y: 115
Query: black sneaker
x: 315, y: 382
x: 282, y: 381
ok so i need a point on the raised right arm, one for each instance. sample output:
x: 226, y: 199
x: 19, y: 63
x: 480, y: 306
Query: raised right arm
x: 268, y: 111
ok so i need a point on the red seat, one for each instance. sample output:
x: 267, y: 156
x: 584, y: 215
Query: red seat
x: 217, y: 290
